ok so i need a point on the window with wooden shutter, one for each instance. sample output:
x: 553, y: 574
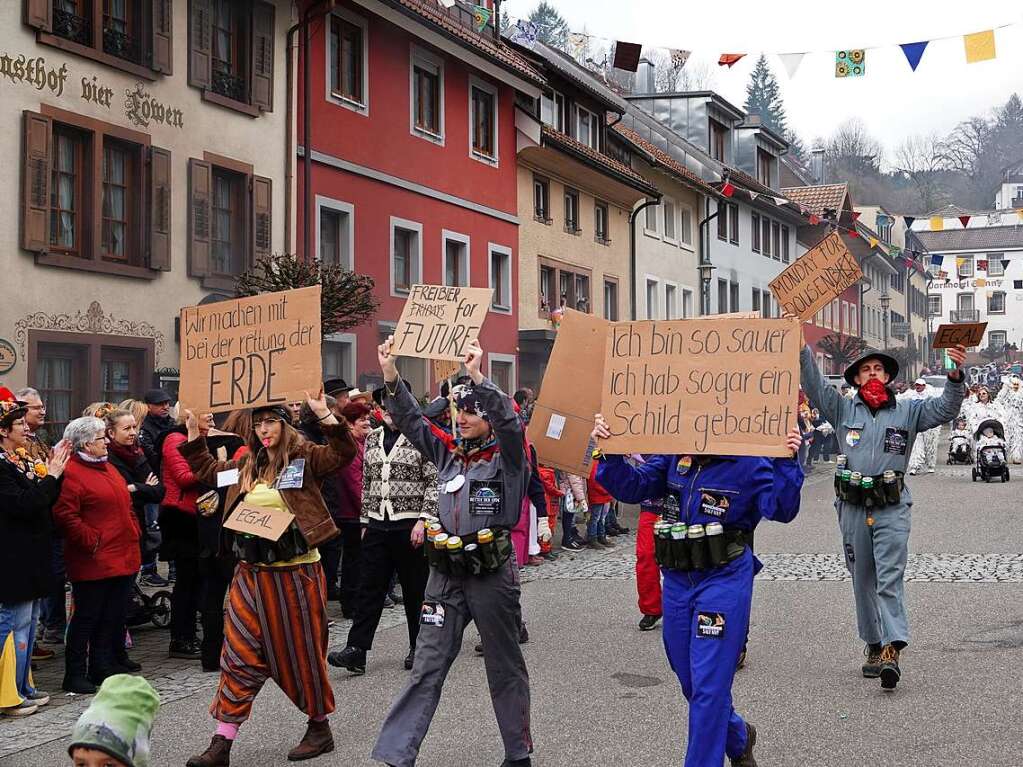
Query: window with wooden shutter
x: 200, y: 180
x: 159, y: 209
x: 35, y: 194
x: 39, y: 14
x: 262, y: 69
x: 163, y: 30
x: 199, y: 43
x: 262, y: 220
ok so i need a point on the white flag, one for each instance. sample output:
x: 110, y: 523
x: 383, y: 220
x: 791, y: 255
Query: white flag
x: 781, y: 201
x: 791, y: 62
x: 447, y: 3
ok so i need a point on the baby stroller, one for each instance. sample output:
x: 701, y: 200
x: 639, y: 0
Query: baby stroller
x: 152, y: 608
x: 960, y: 446
x: 991, y: 455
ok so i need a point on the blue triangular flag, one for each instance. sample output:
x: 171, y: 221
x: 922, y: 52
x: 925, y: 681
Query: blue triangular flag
x: 936, y: 260
x: 914, y: 52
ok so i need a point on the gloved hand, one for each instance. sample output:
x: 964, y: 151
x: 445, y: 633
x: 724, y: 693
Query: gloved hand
x: 543, y: 530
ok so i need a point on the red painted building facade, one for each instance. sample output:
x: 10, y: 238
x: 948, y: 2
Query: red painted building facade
x: 413, y: 155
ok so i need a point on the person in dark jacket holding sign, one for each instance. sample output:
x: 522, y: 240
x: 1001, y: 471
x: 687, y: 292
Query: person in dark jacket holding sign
x: 483, y: 475
x: 875, y: 434
x: 708, y: 589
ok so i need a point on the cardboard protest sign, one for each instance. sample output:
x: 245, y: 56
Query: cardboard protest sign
x: 965, y: 333
x: 259, y: 521
x: 260, y: 350
x: 439, y: 322
x: 445, y: 369
x: 707, y: 386
x: 570, y: 394
x: 731, y: 316
x: 814, y: 279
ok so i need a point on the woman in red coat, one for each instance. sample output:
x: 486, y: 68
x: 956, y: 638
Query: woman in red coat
x: 101, y: 552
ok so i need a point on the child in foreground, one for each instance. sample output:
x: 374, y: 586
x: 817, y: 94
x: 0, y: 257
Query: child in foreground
x: 114, y: 731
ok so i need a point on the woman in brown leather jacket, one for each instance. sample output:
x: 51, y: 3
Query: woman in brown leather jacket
x: 276, y: 617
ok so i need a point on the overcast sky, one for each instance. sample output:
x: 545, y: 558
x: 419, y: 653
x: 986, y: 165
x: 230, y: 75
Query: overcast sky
x: 891, y: 99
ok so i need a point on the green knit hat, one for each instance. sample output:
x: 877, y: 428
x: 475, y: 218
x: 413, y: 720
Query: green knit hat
x: 119, y: 720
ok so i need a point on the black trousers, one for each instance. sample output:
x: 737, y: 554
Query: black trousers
x: 383, y: 553
x: 330, y: 559
x: 96, y: 630
x: 185, y: 599
x: 216, y: 575
x: 351, y: 545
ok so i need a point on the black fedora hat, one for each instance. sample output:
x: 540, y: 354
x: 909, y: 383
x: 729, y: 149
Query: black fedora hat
x: 890, y: 365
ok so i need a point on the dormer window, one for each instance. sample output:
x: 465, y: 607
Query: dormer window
x: 718, y: 140
x: 586, y: 128
x: 765, y: 167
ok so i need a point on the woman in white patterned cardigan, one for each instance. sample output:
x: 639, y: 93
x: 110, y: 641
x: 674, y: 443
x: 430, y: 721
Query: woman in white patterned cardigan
x: 399, y: 498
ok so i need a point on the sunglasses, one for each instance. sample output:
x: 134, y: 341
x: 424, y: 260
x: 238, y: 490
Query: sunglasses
x: 263, y: 421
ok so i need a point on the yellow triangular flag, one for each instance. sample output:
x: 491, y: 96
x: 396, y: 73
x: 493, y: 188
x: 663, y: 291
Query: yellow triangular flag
x: 873, y: 242
x: 1020, y: 213
x: 937, y: 223
x: 959, y: 264
x: 980, y: 46
x: 981, y: 282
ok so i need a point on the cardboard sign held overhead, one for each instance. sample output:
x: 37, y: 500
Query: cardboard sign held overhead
x: 707, y: 386
x: 817, y: 277
x: 260, y: 350
x: 570, y: 394
x: 967, y: 334
x: 439, y: 322
x: 259, y: 521
x: 445, y: 369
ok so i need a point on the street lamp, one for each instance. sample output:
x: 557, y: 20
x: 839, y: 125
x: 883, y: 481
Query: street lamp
x: 706, y: 268
x: 886, y: 301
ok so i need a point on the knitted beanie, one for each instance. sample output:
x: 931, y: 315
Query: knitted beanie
x: 119, y: 720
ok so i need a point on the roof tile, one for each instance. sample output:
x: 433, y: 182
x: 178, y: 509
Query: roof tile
x: 665, y: 159
x: 973, y: 238
x: 819, y: 198
x: 593, y: 155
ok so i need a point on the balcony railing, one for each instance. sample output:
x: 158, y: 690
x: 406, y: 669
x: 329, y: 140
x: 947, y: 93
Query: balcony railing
x: 72, y: 27
x: 964, y: 315
x: 1017, y: 202
x: 228, y: 85
x: 122, y: 45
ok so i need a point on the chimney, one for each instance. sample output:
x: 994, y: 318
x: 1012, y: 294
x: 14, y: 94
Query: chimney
x: 817, y: 164
x: 646, y: 77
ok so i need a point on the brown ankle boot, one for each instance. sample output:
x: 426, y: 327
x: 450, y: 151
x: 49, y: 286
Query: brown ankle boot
x: 317, y: 740
x: 217, y: 755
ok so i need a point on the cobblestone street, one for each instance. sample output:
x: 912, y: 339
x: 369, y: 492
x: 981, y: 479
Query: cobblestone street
x: 966, y: 611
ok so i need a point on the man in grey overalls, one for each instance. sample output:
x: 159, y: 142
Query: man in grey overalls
x: 876, y: 433
x: 488, y: 459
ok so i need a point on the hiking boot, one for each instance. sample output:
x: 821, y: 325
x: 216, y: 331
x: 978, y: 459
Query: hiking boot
x: 351, y: 658
x: 217, y: 755
x: 317, y: 740
x: 746, y: 758
x: 890, y: 674
x: 872, y: 666
x: 647, y: 622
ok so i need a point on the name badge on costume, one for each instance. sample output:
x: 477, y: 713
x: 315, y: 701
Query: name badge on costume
x: 227, y: 477
x: 669, y: 511
x: 485, y: 496
x: 432, y: 614
x: 896, y: 440
x: 852, y: 437
x: 293, y: 475
x: 714, y: 504
x: 454, y: 484
x: 710, y: 625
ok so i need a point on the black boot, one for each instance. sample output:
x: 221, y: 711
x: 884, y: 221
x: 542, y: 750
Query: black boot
x: 217, y: 755
x: 351, y: 658
x: 79, y: 684
x: 890, y: 672
x: 746, y: 758
x: 410, y: 659
x: 872, y: 665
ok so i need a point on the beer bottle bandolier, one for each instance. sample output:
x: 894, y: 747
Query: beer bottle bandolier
x: 711, y: 505
x: 876, y: 431
x: 473, y: 576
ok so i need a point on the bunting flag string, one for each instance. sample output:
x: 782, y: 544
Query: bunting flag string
x: 481, y: 17
x: 964, y: 220
x: 937, y: 223
x: 847, y: 62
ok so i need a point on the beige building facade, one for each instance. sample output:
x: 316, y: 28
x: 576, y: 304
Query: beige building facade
x: 144, y: 158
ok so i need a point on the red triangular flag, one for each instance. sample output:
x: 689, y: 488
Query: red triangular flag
x: 814, y: 219
x: 964, y: 220
x: 727, y: 190
x: 982, y: 264
x: 856, y: 215
x: 729, y: 59
x: 853, y: 233
x: 909, y: 263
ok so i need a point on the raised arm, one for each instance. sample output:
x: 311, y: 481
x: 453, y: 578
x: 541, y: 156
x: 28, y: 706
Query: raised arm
x: 633, y: 484
x: 938, y: 410
x: 823, y: 396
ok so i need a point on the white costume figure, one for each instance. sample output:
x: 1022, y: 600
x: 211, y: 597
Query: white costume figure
x: 1010, y: 399
x: 925, y: 448
x: 979, y: 408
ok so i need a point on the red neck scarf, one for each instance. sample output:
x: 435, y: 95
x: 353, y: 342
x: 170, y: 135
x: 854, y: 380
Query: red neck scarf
x: 874, y: 393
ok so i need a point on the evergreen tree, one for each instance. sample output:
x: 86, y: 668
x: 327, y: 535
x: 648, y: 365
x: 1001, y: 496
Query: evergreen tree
x: 551, y: 26
x: 763, y: 98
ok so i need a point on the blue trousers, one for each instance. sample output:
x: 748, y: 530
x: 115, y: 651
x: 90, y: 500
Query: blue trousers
x: 706, y: 615
x: 19, y: 619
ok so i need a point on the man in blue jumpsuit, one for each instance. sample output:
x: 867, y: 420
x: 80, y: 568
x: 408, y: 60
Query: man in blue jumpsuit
x: 706, y: 612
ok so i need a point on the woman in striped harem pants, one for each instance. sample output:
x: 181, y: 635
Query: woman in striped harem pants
x: 274, y: 614
x: 276, y: 626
